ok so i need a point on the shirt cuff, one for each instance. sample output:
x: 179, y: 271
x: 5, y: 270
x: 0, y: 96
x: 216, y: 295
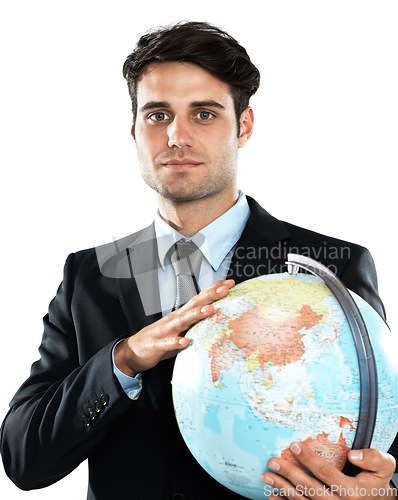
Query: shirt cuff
x: 132, y: 386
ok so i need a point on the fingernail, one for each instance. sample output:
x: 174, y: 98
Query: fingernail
x: 220, y: 289
x: 295, y: 448
x: 274, y: 465
x: 204, y: 309
x: 267, y: 479
x: 356, y: 455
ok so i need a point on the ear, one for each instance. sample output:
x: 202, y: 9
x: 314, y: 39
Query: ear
x: 246, y: 126
x: 132, y: 128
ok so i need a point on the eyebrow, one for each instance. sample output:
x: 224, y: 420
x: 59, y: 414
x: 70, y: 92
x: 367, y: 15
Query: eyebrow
x: 195, y: 104
x: 206, y: 104
x: 154, y: 105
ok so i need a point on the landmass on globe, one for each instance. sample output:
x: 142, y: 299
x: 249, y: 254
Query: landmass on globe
x: 269, y: 340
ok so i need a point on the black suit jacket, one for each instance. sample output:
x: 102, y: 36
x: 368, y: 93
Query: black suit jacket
x: 72, y: 406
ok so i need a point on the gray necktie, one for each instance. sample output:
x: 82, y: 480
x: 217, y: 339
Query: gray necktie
x: 186, y: 259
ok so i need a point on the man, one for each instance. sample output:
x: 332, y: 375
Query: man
x: 101, y: 389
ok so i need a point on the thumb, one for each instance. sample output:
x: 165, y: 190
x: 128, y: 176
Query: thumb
x: 373, y: 460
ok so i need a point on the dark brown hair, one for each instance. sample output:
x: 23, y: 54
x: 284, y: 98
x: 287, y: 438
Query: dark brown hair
x: 200, y: 43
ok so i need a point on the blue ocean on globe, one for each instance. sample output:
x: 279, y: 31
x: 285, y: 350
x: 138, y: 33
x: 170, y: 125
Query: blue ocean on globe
x: 276, y: 363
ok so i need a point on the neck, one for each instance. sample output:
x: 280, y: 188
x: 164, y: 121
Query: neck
x: 189, y: 217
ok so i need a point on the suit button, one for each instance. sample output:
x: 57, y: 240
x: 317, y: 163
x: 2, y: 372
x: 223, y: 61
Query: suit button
x: 86, y: 421
x: 97, y: 406
x: 178, y: 496
x: 91, y: 413
x: 104, y: 399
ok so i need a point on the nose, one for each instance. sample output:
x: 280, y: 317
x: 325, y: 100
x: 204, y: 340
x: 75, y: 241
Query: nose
x: 180, y: 133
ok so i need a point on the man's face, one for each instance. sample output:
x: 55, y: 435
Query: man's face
x: 186, y: 132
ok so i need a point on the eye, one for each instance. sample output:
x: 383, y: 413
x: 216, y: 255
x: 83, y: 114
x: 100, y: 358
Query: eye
x: 205, y: 115
x: 158, y: 117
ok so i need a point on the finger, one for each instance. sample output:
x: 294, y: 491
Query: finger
x: 321, y: 469
x: 217, y: 290
x: 198, y: 307
x: 279, y: 487
x: 180, y: 321
x: 383, y: 464
x: 293, y: 482
x: 170, y: 329
x: 167, y: 334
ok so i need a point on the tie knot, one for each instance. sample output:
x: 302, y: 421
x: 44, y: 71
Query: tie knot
x: 186, y: 258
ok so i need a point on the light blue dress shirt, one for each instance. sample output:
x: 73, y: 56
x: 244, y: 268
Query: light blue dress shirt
x: 216, y: 241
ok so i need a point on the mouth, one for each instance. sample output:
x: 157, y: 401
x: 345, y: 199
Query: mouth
x: 181, y: 164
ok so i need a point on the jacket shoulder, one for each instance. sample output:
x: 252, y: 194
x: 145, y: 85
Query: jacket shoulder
x: 304, y: 235
x: 333, y: 252
x: 111, y: 259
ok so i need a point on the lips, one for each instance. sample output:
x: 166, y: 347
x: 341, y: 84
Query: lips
x: 181, y: 163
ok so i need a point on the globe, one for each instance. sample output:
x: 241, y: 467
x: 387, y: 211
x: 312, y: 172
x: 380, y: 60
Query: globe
x: 277, y: 363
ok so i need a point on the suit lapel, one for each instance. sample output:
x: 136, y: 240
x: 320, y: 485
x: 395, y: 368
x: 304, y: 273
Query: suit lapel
x: 137, y: 281
x: 138, y: 291
x: 261, y: 248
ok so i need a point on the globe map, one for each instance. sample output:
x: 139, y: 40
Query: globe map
x: 276, y: 363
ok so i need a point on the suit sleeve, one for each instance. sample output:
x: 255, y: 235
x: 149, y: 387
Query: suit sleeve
x: 65, y: 409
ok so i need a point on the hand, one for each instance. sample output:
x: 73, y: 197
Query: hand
x: 165, y: 338
x: 292, y: 482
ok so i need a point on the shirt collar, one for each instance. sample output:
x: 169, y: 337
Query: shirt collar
x: 215, y: 240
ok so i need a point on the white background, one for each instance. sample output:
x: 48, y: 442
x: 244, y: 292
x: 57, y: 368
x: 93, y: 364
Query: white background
x: 323, y: 154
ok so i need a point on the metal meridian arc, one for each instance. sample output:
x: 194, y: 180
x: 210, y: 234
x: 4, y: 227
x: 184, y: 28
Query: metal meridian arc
x: 366, y: 360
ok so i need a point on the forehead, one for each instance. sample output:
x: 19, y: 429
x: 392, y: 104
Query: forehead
x: 179, y: 83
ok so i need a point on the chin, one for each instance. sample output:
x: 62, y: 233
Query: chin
x: 183, y: 194
x: 182, y: 197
